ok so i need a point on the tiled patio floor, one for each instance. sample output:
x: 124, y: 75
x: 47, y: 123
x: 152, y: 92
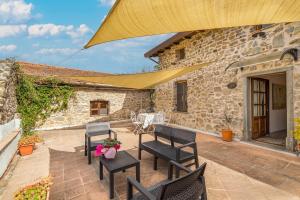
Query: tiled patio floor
x: 276, y: 169
x: 75, y: 179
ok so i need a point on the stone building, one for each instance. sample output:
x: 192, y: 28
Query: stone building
x: 91, y: 102
x: 252, y: 77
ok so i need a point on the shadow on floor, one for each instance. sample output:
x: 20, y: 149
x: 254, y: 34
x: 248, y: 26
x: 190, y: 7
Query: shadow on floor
x: 73, y: 178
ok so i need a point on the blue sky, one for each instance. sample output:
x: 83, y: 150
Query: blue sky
x: 51, y: 31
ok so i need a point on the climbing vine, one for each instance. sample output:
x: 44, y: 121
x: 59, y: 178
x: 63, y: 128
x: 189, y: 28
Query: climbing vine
x: 39, y: 98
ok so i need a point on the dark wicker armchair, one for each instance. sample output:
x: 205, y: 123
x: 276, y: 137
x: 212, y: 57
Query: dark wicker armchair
x: 188, y: 187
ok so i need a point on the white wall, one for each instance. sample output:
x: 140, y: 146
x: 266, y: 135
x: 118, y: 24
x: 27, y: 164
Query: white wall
x: 9, y: 127
x: 278, y: 118
x: 9, y: 137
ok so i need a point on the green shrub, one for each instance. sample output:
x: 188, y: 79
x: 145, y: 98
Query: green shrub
x: 37, y: 191
x: 38, y: 98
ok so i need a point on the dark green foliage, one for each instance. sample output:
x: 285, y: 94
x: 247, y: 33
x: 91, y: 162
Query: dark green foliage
x: 39, y: 98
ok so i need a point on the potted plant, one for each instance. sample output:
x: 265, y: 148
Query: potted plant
x: 109, y: 148
x: 297, y: 134
x: 27, y: 143
x: 39, y: 190
x: 227, y: 133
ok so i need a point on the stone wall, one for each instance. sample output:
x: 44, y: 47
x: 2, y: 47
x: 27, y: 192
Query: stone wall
x: 121, y: 102
x: 8, y: 101
x: 208, y: 95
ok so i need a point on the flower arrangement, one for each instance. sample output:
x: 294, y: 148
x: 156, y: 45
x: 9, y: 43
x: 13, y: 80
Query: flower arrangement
x: 109, y: 148
x: 26, y: 140
x: 38, y: 190
x: 29, y: 140
x: 27, y: 143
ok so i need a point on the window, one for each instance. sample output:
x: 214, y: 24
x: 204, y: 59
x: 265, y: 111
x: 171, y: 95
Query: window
x: 181, y: 96
x: 180, y: 54
x: 263, y: 26
x: 99, y: 108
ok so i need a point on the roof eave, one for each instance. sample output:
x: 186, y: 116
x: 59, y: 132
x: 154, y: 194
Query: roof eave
x: 175, y: 39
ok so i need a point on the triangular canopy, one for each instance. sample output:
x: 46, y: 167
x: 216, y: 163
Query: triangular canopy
x: 135, y: 18
x: 140, y: 80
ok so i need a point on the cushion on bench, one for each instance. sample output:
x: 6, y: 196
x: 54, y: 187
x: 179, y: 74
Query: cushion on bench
x: 166, y: 150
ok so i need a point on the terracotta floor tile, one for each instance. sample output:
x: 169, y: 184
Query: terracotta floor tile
x: 95, y: 186
x: 72, y: 183
x: 89, y: 178
x: 264, y: 174
x: 98, y: 195
x: 81, y: 197
x: 74, y: 192
x: 57, y: 187
x: 217, y: 194
x: 57, y: 196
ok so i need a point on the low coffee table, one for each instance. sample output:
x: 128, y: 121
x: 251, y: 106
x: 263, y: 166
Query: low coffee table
x: 121, y: 162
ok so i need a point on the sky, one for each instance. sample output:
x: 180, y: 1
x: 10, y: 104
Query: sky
x: 53, y: 32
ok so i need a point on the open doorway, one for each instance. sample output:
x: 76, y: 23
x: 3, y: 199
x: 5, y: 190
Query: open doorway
x: 268, y: 109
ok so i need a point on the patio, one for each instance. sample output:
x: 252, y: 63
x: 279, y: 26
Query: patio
x: 229, y: 175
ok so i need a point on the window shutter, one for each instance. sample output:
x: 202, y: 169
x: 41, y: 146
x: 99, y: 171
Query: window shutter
x: 99, y: 108
x: 181, y: 96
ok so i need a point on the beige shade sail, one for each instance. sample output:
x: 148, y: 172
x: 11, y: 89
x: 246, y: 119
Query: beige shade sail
x: 135, y: 18
x: 137, y: 81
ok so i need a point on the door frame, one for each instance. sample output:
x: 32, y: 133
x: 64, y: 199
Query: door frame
x: 267, y: 92
x: 247, y: 135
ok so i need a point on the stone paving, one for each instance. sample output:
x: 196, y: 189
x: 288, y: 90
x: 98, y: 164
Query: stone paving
x: 75, y: 179
x: 274, y: 168
x: 25, y: 170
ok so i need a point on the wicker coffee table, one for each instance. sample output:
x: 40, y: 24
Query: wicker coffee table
x: 121, y: 162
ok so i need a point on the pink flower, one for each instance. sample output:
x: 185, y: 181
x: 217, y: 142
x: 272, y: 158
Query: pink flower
x: 99, y: 150
x: 117, y: 146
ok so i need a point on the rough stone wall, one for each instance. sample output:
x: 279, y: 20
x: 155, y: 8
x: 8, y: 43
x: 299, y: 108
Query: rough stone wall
x: 8, y: 101
x: 121, y: 102
x: 208, y: 95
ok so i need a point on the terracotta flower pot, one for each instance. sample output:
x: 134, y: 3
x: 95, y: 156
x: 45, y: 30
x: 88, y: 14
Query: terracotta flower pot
x: 26, y: 149
x: 298, y: 146
x: 227, y: 135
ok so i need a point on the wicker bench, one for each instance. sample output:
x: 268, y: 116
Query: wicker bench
x: 166, y: 148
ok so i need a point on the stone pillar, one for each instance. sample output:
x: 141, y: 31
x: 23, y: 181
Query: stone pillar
x: 290, y: 110
x: 8, y: 101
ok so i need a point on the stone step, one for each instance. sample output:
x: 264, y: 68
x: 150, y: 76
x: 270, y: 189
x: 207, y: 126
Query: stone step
x: 8, y: 148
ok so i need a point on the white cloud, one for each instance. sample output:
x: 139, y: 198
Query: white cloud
x: 11, y: 30
x: 107, y: 2
x: 10, y: 47
x: 79, y: 32
x: 37, y: 30
x: 12, y: 11
x: 52, y: 51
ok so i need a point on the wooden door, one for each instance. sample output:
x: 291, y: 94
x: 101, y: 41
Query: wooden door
x: 260, y: 107
x: 181, y: 103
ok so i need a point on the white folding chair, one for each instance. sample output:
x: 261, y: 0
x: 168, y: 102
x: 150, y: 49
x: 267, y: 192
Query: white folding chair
x: 168, y: 120
x: 138, y: 124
